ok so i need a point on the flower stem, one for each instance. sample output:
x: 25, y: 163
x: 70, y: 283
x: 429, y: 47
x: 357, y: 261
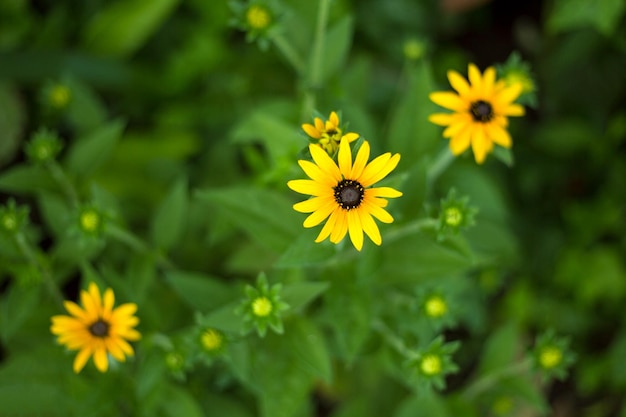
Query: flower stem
x: 488, y: 381
x: 410, y: 228
x: 138, y: 245
x: 30, y: 255
x: 391, y: 338
x: 289, y: 52
x: 441, y: 163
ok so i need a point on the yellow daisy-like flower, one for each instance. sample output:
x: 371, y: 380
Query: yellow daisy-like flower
x: 97, y: 329
x: 481, y: 109
x: 328, y: 134
x: 341, y: 194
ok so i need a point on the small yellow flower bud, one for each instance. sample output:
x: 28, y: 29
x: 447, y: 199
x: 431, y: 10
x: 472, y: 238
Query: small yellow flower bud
x: 59, y: 96
x: 431, y: 365
x: 90, y: 220
x: 212, y: 340
x: 453, y: 216
x: 435, y: 306
x: 550, y: 357
x: 258, y: 17
x: 262, y: 307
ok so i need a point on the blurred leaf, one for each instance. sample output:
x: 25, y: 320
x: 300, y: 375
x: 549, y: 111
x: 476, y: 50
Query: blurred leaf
x: 90, y: 152
x: 56, y: 212
x: 299, y: 294
x: 224, y: 318
x: 410, y: 133
x: 501, y: 349
x: 170, y: 217
x: 11, y: 122
x: 122, y: 27
x: 336, y: 47
x: 85, y: 109
x: 18, y: 303
x: 26, y: 179
x: 265, y: 215
x: 309, y: 350
x: 177, y: 401
x: 303, y: 251
x: 504, y: 155
x: 564, y: 137
x: 567, y: 15
x: 425, y: 405
x: 199, y: 291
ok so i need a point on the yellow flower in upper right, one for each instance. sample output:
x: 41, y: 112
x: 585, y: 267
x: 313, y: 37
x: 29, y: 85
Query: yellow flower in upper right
x: 480, y: 111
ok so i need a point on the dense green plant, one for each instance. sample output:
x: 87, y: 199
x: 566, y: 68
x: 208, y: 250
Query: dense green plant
x: 146, y: 147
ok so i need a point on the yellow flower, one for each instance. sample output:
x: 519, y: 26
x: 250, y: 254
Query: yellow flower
x: 328, y: 134
x: 341, y: 194
x: 481, y: 109
x: 97, y: 329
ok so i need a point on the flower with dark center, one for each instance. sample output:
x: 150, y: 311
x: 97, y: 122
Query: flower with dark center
x: 342, y: 193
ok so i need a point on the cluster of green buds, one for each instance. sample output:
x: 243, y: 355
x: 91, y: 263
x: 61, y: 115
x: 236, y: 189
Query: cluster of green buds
x: 43, y: 146
x: 431, y: 365
x: 262, y: 307
x: 552, y: 355
x: 517, y: 71
x: 455, y: 213
x: 13, y: 218
x: 256, y: 18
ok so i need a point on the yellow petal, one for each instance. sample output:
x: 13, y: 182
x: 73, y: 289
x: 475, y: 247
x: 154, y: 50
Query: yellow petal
x: 100, y: 358
x: 81, y: 359
x: 455, y: 128
x: 513, y: 110
x: 107, y: 303
x: 499, y: 136
x: 350, y: 136
x: 115, y: 349
x: 355, y: 229
x: 475, y: 78
x: 370, y: 228
x: 319, y: 124
x: 378, y: 212
x: 124, y: 311
x: 373, y: 175
x: 387, y: 192
x: 448, y: 100
x: 441, y: 119
x: 489, y: 79
x: 310, y: 205
x: 92, y: 310
x: 310, y: 187
x: 324, y: 162
x: 345, y: 159
x: 509, y: 94
x: 361, y: 160
x: 458, y: 82
x: 334, y: 119
x: 479, y: 145
x: 76, y: 311
x: 329, y: 226
x: 125, y: 346
x: 341, y: 227
x: 460, y: 142
x: 129, y: 334
x: 311, y: 131
x: 320, y: 214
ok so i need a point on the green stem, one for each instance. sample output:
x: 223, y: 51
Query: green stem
x: 138, y: 245
x: 315, y: 75
x: 30, y: 255
x: 441, y: 163
x: 488, y: 381
x: 289, y: 52
x: 391, y: 338
x: 410, y: 228
x: 59, y: 176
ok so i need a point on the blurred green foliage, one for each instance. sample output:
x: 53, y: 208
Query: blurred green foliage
x: 179, y: 129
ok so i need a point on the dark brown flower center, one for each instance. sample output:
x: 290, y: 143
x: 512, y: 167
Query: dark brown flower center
x: 481, y: 111
x: 99, y: 328
x: 349, y: 194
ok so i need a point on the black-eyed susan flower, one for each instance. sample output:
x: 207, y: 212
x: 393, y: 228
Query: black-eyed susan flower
x: 328, y: 134
x: 97, y: 329
x: 342, y: 193
x: 480, y: 111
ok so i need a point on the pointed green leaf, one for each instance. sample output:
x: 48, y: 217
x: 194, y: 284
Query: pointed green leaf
x: 90, y: 152
x: 201, y: 292
x: 299, y: 294
x: 169, y: 220
x: 336, y: 47
x: 26, y: 179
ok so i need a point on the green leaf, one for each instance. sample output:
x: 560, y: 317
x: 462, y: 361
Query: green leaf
x: 424, y: 405
x: 56, y: 213
x: 11, y: 122
x: 224, y: 318
x: 336, y: 47
x: 16, y: 306
x: 201, y: 292
x: 299, y: 294
x: 91, y: 151
x: 121, y: 28
x: 170, y: 217
x: 603, y: 15
x: 309, y: 349
x: 305, y: 252
x: 26, y: 179
x: 501, y: 349
x: 263, y: 214
x: 86, y: 111
x: 410, y: 132
x: 177, y: 402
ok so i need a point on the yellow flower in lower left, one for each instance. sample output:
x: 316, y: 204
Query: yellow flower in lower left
x: 97, y: 329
